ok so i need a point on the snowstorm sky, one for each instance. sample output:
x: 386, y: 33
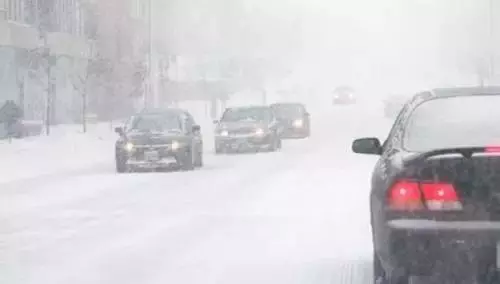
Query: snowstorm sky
x: 408, y: 41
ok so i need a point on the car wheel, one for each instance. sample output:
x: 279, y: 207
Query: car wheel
x: 275, y: 144
x: 219, y: 151
x: 121, y: 166
x: 188, y: 162
x: 199, y: 159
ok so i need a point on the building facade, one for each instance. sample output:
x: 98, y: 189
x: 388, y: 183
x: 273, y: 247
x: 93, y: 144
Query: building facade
x: 52, y: 52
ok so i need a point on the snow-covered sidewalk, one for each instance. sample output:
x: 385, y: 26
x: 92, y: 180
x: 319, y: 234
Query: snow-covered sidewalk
x: 66, y: 149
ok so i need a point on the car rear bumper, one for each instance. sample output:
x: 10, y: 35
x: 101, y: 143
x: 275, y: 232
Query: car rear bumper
x: 419, y: 246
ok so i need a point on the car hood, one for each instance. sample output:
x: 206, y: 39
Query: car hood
x: 155, y: 138
x: 242, y: 125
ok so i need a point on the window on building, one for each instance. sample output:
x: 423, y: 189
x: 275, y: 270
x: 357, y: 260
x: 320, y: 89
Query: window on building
x: 14, y: 10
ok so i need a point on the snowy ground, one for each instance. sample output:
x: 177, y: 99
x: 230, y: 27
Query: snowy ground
x: 296, y: 216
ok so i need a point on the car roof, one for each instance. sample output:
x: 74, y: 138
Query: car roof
x: 177, y: 111
x: 287, y: 104
x: 465, y: 91
x: 250, y: 107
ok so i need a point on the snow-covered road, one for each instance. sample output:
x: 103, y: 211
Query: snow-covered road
x: 296, y: 216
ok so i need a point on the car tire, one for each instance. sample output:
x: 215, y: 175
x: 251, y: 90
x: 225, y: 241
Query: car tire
x: 219, y: 151
x: 275, y: 144
x: 199, y: 160
x: 121, y: 166
x: 187, y: 162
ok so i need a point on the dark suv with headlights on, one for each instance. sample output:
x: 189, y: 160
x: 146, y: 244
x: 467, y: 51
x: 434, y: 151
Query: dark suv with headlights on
x: 159, y: 139
x: 435, y: 190
x: 247, y: 129
x: 294, y: 119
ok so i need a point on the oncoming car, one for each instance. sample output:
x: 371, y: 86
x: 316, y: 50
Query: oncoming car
x: 294, y: 119
x: 344, y: 95
x: 435, y: 190
x: 159, y: 139
x: 247, y: 129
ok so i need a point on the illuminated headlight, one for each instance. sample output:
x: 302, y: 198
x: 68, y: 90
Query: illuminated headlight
x: 298, y: 123
x: 259, y: 132
x: 224, y: 133
x: 176, y: 145
x: 129, y: 147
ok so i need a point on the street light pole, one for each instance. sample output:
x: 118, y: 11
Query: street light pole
x: 150, y: 93
x: 48, y: 99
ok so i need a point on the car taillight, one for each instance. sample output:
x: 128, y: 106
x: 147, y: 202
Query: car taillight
x: 492, y: 149
x: 435, y: 196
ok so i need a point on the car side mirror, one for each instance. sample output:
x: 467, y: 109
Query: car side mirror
x: 370, y: 146
x: 120, y: 131
x: 196, y: 128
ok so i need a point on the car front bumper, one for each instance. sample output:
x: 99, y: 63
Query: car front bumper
x: 419, y: 246
x: 243, y: 144
x: 154, y: 158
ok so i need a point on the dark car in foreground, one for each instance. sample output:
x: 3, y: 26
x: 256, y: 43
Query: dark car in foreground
x: 344, y: 95
x: 159, y: 139
x: 294, y: 119
x: 247, y: 129
x: 435, y: 190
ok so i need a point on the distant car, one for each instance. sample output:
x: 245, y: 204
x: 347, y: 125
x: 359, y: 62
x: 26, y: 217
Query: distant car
x: 294, y: 119
x: 344, y: 96
x: 247, y: 129
x: 159, y: 139
x: 435, y: 190
x: 393, y: 105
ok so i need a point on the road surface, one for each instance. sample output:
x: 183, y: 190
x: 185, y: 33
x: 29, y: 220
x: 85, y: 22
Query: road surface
x: 296, y: 216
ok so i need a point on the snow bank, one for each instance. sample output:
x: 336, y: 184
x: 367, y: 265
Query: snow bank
x: 66, y: 149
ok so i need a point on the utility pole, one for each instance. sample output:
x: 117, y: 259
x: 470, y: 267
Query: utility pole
x: 151, y: 96
x: 45, y: 52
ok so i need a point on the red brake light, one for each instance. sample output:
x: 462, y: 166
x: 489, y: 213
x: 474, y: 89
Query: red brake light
x: 492, y: 149
x: 405, y: 195
x: 439, y: 191
x: 440, y: 196
x: 409, y: 195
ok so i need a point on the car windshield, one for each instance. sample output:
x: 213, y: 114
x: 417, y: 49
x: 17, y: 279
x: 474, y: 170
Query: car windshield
x: 155, y: 123
x: 256, y: 114
x: 452, y: 122
x: 289, y: 110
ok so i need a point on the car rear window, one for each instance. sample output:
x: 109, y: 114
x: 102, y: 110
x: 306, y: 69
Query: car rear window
x: 463, y: 121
